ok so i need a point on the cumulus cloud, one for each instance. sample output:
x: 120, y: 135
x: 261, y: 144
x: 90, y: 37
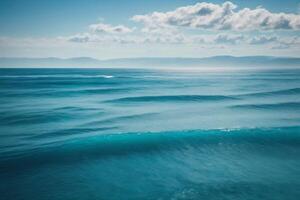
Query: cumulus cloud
x: 124, y: 35
x: 92, y: 38
x: 101, y: 33
x: 130, y: 39
x: 220, y: 17
x: 107, y: 28
x: 220, y: 39
x: 80, y: 38
x: 174, y: 27
x: 263, y: 39
x: 178, y: 27
x: 274, y: 42
x: 286, y: 43
x: 228, y: 39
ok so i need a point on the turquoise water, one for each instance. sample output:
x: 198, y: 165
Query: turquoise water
x: 149, y: 134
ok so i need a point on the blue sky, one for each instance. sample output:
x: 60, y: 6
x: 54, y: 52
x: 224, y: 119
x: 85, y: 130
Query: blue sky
x: 130, y: 28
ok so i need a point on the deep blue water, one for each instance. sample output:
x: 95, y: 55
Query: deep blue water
x: 146, y: 134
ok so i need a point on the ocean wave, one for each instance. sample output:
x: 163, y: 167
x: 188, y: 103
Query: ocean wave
x: 86, y: 91
x: 67, y: 93
x: 58, y: 76
x: 117, y: 119
x: 47, y: 115
x: 76, y: 108
x: 176, y: 98
x: 274, y: 106
x: 71, y: 132
x: 25, y: 118
x: 292, y: 91
x: 101, y: 146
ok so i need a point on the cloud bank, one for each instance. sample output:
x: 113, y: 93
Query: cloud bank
x: 220, y: 17
x: 232, y: 25
x: 203, y: 27
x: 107, y: 28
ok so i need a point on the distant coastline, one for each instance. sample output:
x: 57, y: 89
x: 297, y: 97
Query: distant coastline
x: 152, y: 62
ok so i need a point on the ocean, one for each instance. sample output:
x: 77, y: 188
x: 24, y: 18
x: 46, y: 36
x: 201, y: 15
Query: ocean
x: 117, y: 134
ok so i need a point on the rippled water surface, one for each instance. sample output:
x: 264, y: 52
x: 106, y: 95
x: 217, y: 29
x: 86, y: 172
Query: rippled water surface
x: 149, y: 134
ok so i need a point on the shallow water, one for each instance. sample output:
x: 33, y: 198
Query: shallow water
x: 149, y: 134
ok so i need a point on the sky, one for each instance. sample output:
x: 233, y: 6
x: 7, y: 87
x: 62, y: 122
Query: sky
x: 152, y: 28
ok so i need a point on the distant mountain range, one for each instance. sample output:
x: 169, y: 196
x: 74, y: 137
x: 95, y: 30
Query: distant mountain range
x: 216, y: 61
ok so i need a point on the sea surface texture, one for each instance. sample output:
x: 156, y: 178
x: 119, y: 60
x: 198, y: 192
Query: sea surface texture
x: 117, y: 134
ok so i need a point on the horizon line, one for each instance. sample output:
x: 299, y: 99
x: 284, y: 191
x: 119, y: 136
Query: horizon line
x: 143, y: 57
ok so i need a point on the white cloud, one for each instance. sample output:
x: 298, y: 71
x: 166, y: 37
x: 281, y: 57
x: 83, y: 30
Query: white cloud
x: 109, y: 46
x: 273, y: 41
x: 129, y: 39
x: 174, y: 27
x: 220, y: 17
x: 80, y: 38
x: 259, y: 40
x: 107, y: 28
x: 226, y: 27
x: 220, y: 39
x: 228, y: 39
x: 287, y: 43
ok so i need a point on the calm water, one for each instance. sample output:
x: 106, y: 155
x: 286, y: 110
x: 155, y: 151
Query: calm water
x: 144, y: 134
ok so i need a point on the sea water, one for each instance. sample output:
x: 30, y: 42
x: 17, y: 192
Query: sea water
x: 149, y: 134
